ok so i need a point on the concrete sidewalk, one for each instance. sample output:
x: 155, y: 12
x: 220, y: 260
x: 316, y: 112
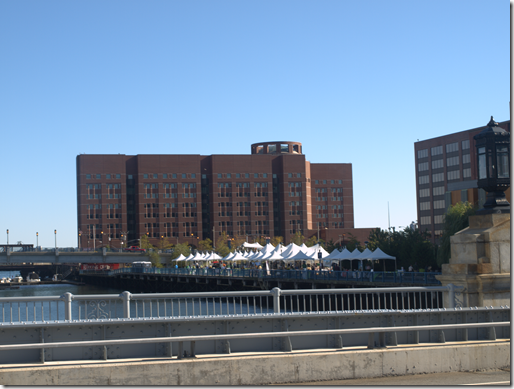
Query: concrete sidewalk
x: 268, y: 368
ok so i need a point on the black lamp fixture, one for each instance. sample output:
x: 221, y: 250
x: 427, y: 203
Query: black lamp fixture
x: 493, y: 163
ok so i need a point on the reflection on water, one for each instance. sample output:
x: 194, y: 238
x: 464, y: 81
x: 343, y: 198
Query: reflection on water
x: 52, y: 289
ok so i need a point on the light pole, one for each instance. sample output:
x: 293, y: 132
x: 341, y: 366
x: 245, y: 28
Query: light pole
x: 37, y: 241
x: 55, y: 233
x: 8, y: 237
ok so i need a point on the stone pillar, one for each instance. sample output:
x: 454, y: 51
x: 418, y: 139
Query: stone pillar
x: 480, y: 262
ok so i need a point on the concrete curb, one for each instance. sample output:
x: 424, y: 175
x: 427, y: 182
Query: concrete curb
x: 269, y: 368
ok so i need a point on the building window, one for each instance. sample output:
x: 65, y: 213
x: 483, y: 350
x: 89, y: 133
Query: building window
x: 145, y: 175
x: 424, y: 206
x: 438, y: 150
x: 424, y: 192
x: 422, y: 166
x: 174, y: 175
x: 437, y: 164
x: 108, y: 176
x: 425, y: 220
x: 453, y: 175
x: 438, y: 219
x: 184, y: 175
x: 466, y: 173
x: 452, y: 147
x: 452, y: 161
x: 118, y: 176
x: 98, y: 176
x: 88, y: 176
x: 439, y: 204
x: 465, y: 144
x: 438, y: 177
x: 438, y: 191
x: 466, y: 158
x: 423, y: 153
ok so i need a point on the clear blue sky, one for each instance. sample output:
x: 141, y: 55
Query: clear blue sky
x: 355, y: 81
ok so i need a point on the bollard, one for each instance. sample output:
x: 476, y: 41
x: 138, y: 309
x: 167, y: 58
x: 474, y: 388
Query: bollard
x: 67, y: 297
x: 126, y: 304
x: 276, y: 299
x: 451, y: 295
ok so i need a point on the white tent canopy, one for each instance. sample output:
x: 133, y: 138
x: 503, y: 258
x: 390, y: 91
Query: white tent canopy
x: 252, y: 245
x: 379, y: 254
x: 180, y: 258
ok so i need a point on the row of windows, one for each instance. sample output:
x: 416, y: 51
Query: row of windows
x: 439, y: 163
x: 338, y: 198
x: 170, y: 225
x: 438, y: 150
x: 107, y: 186
x: 168, y: 175
x: 332, y: 182
x: 169, y: 195
x: 99, y: 176
x: 244, y: 175
x: 99, y: 227
x: 426, y: 220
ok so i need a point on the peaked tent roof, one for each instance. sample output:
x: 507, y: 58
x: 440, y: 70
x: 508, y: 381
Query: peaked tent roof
x: 252, y: 245
x: 379, y: 254
x: 365, y: 254
x: 180, y: 258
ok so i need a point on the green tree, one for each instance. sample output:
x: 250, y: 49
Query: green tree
x: 354, y: 243
x: 154, y: 257
x: 276, y: 240
x: 221, y: 245
x: 181, y: 248
x: 297, y: 238
x: 144, y: 242
x: 205, y: 245
x: 410, y: 246
x: 312, y: 241
x: 455, y: 220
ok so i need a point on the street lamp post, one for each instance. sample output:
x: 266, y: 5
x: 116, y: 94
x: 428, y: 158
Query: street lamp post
x: 55, y: 234
x: 37, y: 241
x: 493, y: 162
x: 7, y: 238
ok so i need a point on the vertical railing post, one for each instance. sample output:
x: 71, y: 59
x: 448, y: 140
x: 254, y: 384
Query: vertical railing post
x: 67, y: 298
x: 451, y: 295
x: 126, y: 304
x: 276, y: 299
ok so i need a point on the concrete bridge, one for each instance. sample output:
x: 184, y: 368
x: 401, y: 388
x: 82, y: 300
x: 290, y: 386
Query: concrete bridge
x: 222, y: 343
x: 58, y: 256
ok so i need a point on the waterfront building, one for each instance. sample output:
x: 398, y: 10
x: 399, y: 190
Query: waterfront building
x: 446, y: 173
x: 274, y: 191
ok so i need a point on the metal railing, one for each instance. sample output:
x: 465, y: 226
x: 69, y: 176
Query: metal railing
x: 196, y: 304
x: 300, y: 275
x: 162, y: 337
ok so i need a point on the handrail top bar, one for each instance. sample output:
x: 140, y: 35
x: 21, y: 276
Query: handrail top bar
x: 137, y: 296
x: 196, y: 338
x: 271, y: 315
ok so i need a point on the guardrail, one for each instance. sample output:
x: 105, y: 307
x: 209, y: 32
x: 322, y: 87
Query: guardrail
x: 166, y: 337
x: 327, y: 275
x: 196, y: 304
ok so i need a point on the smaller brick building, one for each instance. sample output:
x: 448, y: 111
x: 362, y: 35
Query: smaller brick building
x: 446, y: 173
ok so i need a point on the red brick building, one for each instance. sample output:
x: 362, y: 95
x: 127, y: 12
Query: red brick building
x: 274, y: 191
x: 446, y: 173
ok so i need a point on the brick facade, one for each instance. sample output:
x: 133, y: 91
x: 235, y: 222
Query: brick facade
x: 272, y: 192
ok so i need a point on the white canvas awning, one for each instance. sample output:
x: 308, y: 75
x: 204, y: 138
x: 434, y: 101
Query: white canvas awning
x: 252, y: 245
